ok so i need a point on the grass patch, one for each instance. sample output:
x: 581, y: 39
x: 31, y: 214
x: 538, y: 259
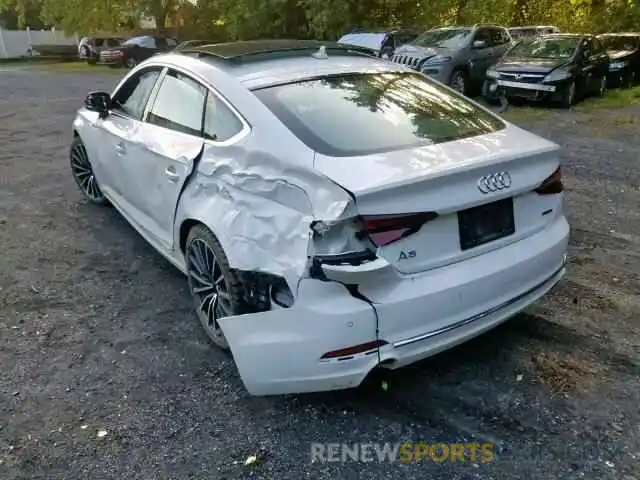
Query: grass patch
x: 618, y: 98
x: 527, y: 113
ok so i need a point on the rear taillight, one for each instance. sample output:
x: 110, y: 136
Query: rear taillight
x: 553, y: 184
x: 385, y: 229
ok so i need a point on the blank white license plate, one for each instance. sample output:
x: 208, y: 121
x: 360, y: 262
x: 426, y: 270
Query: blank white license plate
x: 527, y: 86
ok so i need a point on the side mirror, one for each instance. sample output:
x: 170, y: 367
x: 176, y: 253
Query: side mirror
x: 98, y: 102
x: 478, y: 44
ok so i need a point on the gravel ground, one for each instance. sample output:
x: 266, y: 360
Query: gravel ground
x: 96, y: 333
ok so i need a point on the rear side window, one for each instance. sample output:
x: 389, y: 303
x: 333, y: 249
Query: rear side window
x: 358, y: 114
x: 220, y: 123
x: 179, y: 104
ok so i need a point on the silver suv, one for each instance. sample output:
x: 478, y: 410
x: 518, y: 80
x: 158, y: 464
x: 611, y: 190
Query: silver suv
x: 456, y: 56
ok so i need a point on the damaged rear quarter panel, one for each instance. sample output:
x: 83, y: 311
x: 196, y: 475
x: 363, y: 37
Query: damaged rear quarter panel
x: 259, y: 197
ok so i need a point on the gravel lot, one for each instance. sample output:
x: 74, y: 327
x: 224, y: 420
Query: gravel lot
x: 96, y: 333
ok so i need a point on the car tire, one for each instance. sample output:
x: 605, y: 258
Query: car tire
x: 82, y: 173
x: 490, y: 98
x: 130, y: 63
x: 209, y: 275
x: 569, y: 95
x: 602, y: 86
x: 629, y: 79
x: 459, y: 81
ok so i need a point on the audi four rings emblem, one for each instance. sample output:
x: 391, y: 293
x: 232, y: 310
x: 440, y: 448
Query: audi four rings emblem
x: 494, y: 182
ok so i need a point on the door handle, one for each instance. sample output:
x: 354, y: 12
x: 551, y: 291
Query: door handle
x: 121, y: 149
x: 171, y: 174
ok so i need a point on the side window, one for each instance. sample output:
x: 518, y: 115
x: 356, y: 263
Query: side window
x: 220, y: 123
x: 171, y: 42
x: 132, y: 97
x: 597, y: 46
x: 160, y: 42
x: 497, y: 37
x: 586, y: 48
x: 179, y: 104
x: 483, y: 35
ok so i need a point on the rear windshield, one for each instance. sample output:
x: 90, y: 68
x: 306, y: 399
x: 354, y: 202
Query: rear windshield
x: 358, y: 114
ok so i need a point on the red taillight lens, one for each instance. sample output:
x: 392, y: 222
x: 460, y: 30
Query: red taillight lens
x: 553, y: 184
x: 386, y: 229
x: 356, y: 349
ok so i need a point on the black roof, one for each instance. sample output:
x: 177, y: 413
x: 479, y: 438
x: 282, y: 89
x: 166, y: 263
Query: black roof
x: 258, y: 49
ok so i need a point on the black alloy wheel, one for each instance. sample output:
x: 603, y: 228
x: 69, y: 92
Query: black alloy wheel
x: 83, y: 173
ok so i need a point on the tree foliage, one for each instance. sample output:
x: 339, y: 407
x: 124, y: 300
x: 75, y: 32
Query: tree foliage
x: 248, y: 19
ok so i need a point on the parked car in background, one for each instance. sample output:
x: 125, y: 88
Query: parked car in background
x: 382, y: 43
x: 333, y: 213
x: 135, y: 50
x: 532, y: 31
x: 456, y: 56
x: 562, y: 67
x: 89, y: 48
x: 624, y: 54
x: 191, y: 44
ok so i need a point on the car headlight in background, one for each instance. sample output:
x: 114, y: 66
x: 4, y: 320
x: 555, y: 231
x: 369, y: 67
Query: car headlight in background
x: 437, y: 60
x: 617, y: 65
x: 557, y: 76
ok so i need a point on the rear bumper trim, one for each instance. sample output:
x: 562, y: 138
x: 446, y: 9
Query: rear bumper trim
x: 479, y: 316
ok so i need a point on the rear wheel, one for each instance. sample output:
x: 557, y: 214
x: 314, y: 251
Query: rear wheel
x: 216, y: 289
x: 82, y: 172
x: 131, y: 62
x: 629, y: 79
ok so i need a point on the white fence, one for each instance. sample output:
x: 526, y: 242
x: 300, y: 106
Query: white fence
x: 17, y: 43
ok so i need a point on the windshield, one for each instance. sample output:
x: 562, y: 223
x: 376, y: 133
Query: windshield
x: 620, y: 42
x: 444, y: 38
x: 147, y: 42
x: 551, y: 47
x: 367, y: 40
x: 361, y: 114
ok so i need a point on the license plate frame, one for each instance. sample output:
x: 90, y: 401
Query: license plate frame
x: 486, y: 223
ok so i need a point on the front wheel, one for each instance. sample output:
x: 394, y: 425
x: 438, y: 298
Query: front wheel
x: 82, y: 172
x: 569, y: 95
x: 458, y: 81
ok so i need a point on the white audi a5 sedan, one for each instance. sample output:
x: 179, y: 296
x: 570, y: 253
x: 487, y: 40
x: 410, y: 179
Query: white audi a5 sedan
x: 333, y: 213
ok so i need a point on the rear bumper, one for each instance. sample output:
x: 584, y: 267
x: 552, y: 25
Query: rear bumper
x: 280, y: 351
